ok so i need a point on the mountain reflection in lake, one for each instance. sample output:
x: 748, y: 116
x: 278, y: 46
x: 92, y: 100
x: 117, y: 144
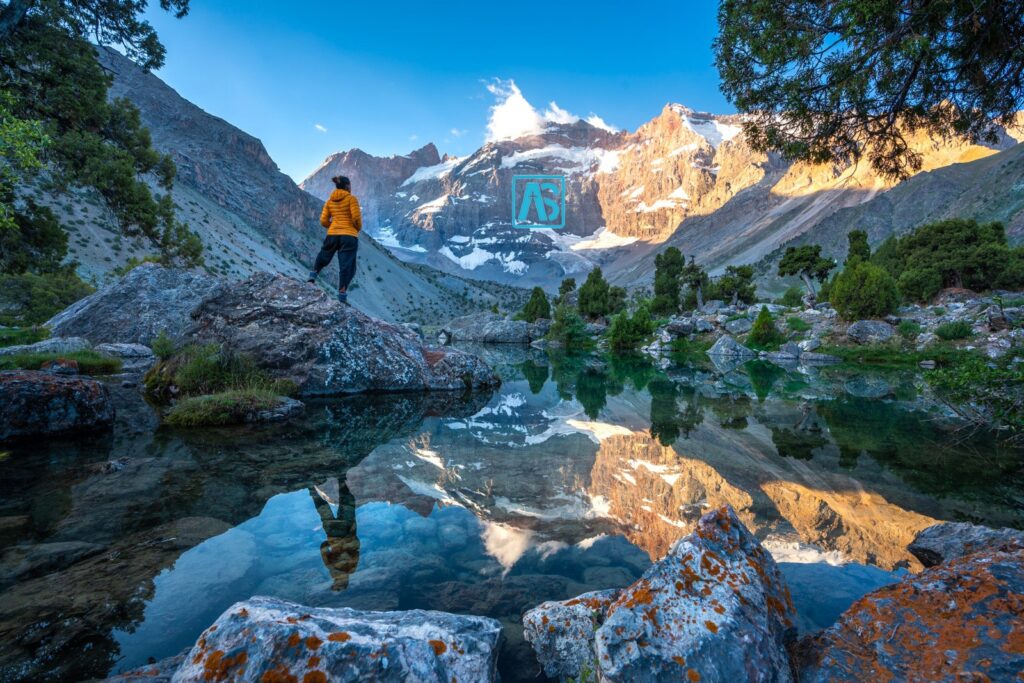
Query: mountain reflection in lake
x: 574, y: 476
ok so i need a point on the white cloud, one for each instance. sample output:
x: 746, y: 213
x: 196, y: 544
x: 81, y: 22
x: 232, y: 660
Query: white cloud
x: 512, y: 115
x: 320, y: 127
x: 414, y: 137
x: 556, y: 114
x: 458, y: 132
x: 597, y: 122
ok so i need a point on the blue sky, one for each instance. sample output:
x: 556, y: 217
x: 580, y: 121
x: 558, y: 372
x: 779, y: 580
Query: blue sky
x: 313, y: 78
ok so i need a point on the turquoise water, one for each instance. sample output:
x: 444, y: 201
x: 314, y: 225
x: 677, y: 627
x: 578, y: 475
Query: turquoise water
x: 574, y: 476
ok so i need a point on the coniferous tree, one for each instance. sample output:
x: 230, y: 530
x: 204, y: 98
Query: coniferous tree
x: 668, y: 269
x: 831, y: 80
x: 594, y: 301
x: 806, y: 262
x: 537, y: 307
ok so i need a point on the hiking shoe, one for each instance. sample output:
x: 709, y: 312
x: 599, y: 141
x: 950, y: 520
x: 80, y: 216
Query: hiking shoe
x: 312, y: 277
x: 343, y: 297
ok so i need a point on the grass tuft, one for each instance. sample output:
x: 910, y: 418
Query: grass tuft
x: 225, y: 408
x: 17, y: 336
x: 89, y: 362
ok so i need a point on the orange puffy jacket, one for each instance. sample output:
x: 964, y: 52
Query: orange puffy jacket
x: 342, y: 215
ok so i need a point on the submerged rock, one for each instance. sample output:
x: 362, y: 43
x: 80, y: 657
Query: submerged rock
x: 296, y: 331
x: 135, y: 309
x: 727, y: 346
x: 714, y: 609
x: 271, y: 639
x: 951, y: 540
x: 960, y: 621
x: 41, y: 404
x: 870, y: 332
x: 489, y: 328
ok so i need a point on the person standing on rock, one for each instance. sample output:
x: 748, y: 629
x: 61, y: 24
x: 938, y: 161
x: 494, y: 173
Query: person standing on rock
x: 343, y: 219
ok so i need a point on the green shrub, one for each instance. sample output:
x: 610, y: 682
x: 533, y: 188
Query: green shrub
x: 133, y: 263
x: 628, y: 333
x: 938, y: 311
x: 567, y: 327
x: 956, y: 252
x: 31, y: 299
x: 959, y: 329
x: 864, y: 291
x: 162, y: 346
x: 797, y: 324
x: 792, y: 297
x: 89, y: 362
x: 226, y: 408
x: 909, y: 329
x: 18, y: 336
x: 764, y: 334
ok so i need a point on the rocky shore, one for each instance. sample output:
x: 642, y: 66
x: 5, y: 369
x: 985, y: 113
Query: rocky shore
x: 715, y: 608
x: 291, y: 330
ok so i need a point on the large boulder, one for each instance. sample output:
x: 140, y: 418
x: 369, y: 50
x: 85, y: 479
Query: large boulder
x: 133, y: 310
x: 960, y: 621
x: 298, y: 332
x: 562, y: 633
x: 266, y: 639
x: 714, y: 609
x: 44, y: 404
x: 47, y: 346
x: 951, y: 540
x: 489, y: 328
x: 728, y: 347
x: 870, y: 332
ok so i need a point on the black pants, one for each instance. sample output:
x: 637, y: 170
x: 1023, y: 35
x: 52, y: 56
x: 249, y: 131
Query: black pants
x: 346, y: 248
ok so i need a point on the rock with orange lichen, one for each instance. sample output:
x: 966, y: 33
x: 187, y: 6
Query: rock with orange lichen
x: 714, y: 609
x: 960, y: 621
x: 562, y: 633
x: 950, y: 540
x: 266, y: 639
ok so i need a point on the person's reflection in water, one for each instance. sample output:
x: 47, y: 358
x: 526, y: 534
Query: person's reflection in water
x: 340, y: 552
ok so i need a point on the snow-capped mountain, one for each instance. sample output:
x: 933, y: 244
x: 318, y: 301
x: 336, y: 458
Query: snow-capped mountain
x: 685, y: 177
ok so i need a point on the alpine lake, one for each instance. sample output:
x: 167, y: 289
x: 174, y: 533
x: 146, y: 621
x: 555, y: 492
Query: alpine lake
x: 118, y: 549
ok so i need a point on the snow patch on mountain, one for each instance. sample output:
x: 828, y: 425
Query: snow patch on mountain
x: 433, y: 172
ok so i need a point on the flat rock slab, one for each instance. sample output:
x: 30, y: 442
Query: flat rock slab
x: 40, y: 404
x: 52, y: 345
x: 961, y: 621
x: 264, y: 639
x: 488, y: 328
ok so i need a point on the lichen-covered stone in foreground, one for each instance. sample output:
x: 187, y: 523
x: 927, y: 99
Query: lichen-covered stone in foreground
x: 264, y: 639
x: 714, y: 609
x: 562, y: 633
x: 961, y: 621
